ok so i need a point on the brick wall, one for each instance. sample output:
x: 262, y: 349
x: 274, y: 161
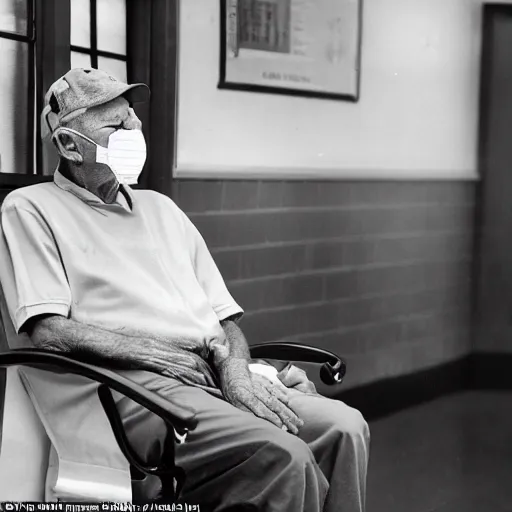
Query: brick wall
x: 378, y: 272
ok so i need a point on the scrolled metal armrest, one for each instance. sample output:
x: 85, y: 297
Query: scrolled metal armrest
x: 183, y: 419
x: 333, y: 368
x: 177, y: 418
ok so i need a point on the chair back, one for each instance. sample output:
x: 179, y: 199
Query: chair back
x: 24, y: 445
x: 31, y: 469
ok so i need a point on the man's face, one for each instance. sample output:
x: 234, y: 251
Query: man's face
x: 97, y: 123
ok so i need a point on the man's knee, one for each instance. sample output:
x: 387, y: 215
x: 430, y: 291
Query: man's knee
x: 291, y: 455
x: 350, y: 422
x: 291, y: 449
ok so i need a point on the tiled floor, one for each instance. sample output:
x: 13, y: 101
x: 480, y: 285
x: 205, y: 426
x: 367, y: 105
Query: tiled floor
x: 450, y: 455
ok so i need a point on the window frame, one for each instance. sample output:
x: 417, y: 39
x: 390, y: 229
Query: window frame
x: 30, y: 39
x: 50, y: 58
x: 152, y: 49
x: 93, y: 51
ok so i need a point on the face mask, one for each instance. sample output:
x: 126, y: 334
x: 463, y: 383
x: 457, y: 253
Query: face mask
x: 125, y: 154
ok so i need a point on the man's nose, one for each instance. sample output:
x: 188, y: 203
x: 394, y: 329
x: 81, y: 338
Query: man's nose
x: 133, y: 122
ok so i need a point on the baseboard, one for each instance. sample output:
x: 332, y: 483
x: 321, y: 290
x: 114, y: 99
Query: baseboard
x: 491, y: 371
x: 478, y: 371
x: 391, y: 395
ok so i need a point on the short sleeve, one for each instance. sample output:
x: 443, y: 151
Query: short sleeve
x: 31, y: 272
x: 209, y: 276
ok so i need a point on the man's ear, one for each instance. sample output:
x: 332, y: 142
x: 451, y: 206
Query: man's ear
x: 67, y: 147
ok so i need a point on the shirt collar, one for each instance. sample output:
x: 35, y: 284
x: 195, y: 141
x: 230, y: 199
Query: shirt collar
x: 91, y: 199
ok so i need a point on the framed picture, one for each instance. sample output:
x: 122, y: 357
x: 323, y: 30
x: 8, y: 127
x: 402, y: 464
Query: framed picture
x: 300, y: 47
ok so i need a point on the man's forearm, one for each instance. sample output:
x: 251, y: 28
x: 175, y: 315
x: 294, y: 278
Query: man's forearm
x: 60, y: 334
x: 237, y: 344
x: 231, y: 355
x: 114, y: 349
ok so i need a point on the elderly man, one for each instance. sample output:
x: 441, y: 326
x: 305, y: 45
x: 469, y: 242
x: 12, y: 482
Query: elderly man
x: 123, y: 277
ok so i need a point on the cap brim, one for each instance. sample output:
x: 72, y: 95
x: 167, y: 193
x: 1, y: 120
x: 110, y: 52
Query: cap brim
x: 137, y: 93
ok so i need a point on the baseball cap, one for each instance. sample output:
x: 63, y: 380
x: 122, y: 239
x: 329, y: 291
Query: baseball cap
x: 80, y: 89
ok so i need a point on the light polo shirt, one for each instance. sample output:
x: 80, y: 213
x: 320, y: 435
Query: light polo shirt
x: 136, y: 266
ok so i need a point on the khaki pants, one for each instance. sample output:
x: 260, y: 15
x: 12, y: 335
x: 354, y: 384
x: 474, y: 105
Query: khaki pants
x: 234, y: 459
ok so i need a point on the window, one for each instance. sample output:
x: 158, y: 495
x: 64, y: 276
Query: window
x: 91, y: 33
x: 17, y: 86
x: 135, y: 41
x: 98, y: 36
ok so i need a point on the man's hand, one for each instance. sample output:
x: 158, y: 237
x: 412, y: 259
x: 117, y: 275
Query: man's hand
x: 254, y: 393
x: 264, y: 399
x: 293, y: 377
x: 184, y: 365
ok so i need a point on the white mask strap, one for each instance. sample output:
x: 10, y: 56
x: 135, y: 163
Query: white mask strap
x: 75, y: 132
x: 101, y: 152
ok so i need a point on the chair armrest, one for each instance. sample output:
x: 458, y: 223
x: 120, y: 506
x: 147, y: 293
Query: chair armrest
x: 183, y: 419
x: 333, y: 368
x: 177, y: 418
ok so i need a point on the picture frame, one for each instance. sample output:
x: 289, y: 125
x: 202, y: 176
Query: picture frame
x: 308, y: 48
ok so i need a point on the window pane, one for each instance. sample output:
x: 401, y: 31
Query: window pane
x: 13, y: 16
x: 117, y: 68
x: 14, y: 146
x: 111, y: 16
x: 80, y: 60
x: 81, y: 23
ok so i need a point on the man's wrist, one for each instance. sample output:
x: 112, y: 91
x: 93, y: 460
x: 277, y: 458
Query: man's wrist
x: 231, y: 370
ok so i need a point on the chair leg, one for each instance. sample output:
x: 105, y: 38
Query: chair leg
x: 173, y: 479
x: 145, y: 488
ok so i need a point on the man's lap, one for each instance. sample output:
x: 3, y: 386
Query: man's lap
x: 233, y: 453
x: 222, y: 427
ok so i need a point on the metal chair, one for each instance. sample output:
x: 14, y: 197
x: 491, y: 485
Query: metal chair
x: 25, y: 446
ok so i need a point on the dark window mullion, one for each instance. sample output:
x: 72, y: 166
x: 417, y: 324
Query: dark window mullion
x: 110, y: 55
x: 99, y: 53
x: 31, y: 20
x: 15, y: 37
x: 94, y: 34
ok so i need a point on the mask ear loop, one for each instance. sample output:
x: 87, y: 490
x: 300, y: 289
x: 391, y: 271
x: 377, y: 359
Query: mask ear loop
x: 79, y: 171
x: 101, y: 155
x: 101, y: 151
x: 63, y: 128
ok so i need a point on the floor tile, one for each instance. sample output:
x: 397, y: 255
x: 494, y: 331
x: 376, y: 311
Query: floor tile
x: 454, y: 453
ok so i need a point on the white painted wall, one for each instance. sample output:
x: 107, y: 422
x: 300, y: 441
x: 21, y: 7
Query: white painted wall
x: 416, y: 118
